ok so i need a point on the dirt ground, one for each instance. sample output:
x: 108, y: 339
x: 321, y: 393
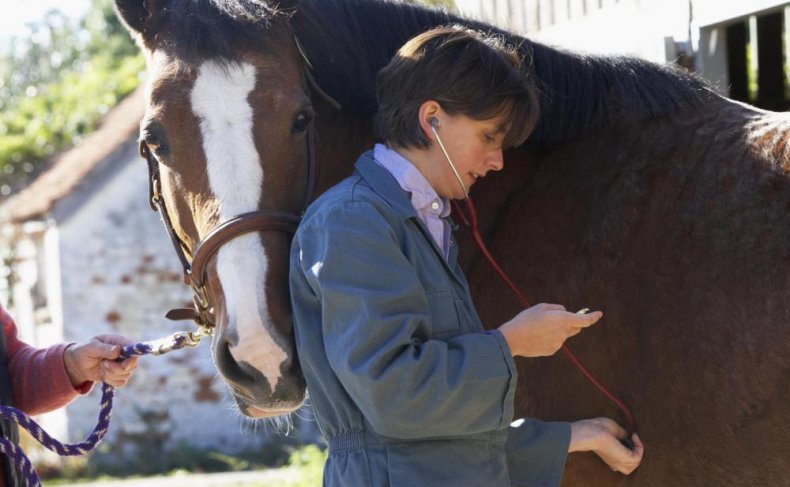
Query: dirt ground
x: 268, y: 478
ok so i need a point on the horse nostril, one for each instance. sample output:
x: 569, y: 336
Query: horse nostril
x: 226, y: 364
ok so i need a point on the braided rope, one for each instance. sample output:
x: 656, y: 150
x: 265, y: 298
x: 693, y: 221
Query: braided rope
x: 9, y: 448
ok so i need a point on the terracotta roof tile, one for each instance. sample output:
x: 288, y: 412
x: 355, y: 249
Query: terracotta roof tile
x: 70, y: 167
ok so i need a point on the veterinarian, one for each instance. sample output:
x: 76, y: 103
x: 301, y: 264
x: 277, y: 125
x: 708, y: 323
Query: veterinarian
x: 407, y: 386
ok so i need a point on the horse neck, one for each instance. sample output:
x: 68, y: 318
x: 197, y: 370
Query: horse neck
x: 349, y: 41
x: 579, y: 93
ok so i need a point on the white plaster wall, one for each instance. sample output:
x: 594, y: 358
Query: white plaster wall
x: 120, y: 275
x: 634, y: 27
x: 708, y: 12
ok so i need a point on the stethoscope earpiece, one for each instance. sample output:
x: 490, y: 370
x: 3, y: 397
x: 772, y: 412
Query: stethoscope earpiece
x: 434, y: 125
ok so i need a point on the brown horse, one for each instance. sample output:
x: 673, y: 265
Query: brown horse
x: 640, y: 192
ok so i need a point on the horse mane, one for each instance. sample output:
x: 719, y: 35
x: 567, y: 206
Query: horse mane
x: 349, y: 41
x: 577, y: 92
x: 365, y: 34
x: 582, y: 91
x: 213, y: 29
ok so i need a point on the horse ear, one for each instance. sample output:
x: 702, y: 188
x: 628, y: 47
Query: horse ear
x: 134, y: 14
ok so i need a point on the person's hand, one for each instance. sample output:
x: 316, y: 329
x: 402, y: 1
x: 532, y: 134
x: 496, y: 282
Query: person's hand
x: 602, y: 436
x: 541, y: 330
x: 94, y: 360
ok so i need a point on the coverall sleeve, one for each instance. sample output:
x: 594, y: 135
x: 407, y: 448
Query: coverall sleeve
x: 407, y: 385
x: 536, y: 452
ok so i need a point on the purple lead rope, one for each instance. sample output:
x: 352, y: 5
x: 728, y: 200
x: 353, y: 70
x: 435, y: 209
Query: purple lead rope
x: 12, y: 450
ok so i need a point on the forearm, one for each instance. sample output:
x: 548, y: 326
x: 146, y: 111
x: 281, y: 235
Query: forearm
x: 40, y: 382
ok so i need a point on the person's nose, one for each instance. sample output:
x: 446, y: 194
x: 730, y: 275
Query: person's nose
x: 495, y: 160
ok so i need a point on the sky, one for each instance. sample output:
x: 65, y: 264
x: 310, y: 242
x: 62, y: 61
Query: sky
x: 17, y: 12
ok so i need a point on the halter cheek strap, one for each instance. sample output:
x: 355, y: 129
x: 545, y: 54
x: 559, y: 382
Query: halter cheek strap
x: 195, y: 264
x: 311, y: 80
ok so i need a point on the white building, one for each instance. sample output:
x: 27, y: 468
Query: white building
x: 85, y: 256
x: 738, y: 45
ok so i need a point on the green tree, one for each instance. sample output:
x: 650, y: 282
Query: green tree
x: 448, y: 4
x: 55, y: 84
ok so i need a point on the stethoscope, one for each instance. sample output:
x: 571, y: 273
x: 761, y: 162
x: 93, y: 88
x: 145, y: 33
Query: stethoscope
x: 470, y: 220
x: 435, y: 125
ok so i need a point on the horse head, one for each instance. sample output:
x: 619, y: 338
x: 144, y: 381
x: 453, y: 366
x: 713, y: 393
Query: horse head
x: 227, y: 133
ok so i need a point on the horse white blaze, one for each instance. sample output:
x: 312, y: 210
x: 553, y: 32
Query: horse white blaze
x: 219, y: 100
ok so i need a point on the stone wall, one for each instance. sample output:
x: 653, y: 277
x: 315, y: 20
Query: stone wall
x: 120, y: 275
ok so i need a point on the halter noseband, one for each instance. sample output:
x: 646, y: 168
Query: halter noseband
x: 255, y: 221
x: 195, y: 268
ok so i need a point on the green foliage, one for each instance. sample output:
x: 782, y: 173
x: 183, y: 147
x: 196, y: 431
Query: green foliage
x: 183, y: 458
x: 304, y: 468
x: 56, y: 83
x: 144, y: 453
x: 448, y: 4
x: 308, y: 462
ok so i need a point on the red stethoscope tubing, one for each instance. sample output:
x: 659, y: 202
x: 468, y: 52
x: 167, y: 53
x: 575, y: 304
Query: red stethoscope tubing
x: 469, y: 219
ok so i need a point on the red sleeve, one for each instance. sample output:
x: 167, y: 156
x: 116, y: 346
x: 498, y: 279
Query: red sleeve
x: 38, y: 375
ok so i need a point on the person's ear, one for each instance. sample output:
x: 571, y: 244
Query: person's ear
x: 430, y: 114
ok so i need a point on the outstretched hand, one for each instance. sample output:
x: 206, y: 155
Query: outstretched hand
x: 94, y: 360
x: 542, y: 329
x: 602, y: 436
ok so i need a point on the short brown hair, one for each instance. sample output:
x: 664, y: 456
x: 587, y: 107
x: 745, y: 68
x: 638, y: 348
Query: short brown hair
x: 466, y: 72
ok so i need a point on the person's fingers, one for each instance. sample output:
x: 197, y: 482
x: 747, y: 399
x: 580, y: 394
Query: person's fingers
x: 108, y: 369
x: 115, y: 374
x: 626, y: 460
x: 117, y: 383
x: 635, y: 459
x: 585, y: 320
x: 102, y: 350
x: 109, y: 346
x: 614, y: 428
x: 638, y: 445
x: 115, y: 340
x: 129, y: 363
x: 118, y: 368
x: 578, y: 322
x: 551, y: 307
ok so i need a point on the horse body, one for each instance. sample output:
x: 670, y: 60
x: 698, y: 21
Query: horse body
x: 640, y: 193
x: 679, y: 236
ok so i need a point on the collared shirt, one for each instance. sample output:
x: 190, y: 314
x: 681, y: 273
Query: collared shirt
x: 430, y: 207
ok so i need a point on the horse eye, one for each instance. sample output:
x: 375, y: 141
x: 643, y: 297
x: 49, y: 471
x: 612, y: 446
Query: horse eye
x: 155, y: 143
x: 160, y: 150
x: 302, y: 121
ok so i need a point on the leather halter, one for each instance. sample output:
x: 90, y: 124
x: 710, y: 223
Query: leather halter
x: 195, y: 274
x: 202, y: 312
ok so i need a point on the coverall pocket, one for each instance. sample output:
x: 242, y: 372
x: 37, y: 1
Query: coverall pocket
x: 444, y: 314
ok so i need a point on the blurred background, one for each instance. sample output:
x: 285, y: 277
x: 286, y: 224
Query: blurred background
x: 82, y: 254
